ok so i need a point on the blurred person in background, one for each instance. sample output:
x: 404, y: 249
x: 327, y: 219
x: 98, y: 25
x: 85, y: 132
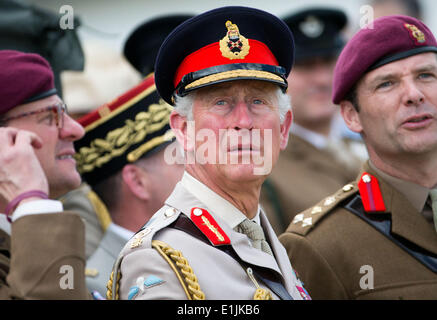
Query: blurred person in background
x: 317, y: 160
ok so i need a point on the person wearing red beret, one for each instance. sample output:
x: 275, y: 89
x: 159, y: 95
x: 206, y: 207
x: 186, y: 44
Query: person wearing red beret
x: 42, y: 247
x: 376, y: 238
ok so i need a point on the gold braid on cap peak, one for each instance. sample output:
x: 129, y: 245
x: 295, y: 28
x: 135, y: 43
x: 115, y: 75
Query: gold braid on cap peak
x: 118, y: 141
x: 242, y: 73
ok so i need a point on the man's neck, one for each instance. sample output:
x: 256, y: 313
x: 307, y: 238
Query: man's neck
x: 244, y: 198
x: 420, y: 169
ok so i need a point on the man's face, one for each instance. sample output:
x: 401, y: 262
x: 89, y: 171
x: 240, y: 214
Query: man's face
x: 240, y: 120
x: 310, y: 87
x: 398, y: 107
x: 56, y: 154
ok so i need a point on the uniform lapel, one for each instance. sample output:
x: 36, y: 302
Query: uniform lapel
x: 407, y: 222
x: 184, y: 201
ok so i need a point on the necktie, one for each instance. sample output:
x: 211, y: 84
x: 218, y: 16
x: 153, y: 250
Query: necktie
x: 433, y: 196
x: 255, y: 234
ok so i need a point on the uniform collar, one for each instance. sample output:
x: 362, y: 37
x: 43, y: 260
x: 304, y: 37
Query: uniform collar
x: 414, y: 193
x: 317, y: 140
x: 407, y: 221
x: 217, y: 204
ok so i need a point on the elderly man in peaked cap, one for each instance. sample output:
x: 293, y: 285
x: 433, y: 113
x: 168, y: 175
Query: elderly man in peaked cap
x: 42, y: 247
x: 376, y: 238
x: 226, y: 71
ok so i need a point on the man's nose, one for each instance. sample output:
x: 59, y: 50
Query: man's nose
x: 413, y: 95
x: 72, y: 130
x: 243, y: 116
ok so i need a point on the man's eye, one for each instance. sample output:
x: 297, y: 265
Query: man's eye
x: 257, y: 101
x: 425, y: 75
x: 47, y: 119
x: 220, y: 102
x: 384, y: 84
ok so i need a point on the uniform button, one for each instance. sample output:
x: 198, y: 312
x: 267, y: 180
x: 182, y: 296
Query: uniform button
x: 169, y: 212
x: 348, y: 188
x: 197, y: 212
x: 366, y: 178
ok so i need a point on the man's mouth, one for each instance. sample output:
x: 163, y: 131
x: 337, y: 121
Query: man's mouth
x: 418, y: 121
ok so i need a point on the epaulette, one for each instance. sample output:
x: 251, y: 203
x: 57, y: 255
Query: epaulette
x: 305, y: 221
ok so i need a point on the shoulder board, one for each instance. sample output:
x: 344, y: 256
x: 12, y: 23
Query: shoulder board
x: 209, y: 227
x: 370, y: 193
x: 304, y: 222
x: 161, y: 219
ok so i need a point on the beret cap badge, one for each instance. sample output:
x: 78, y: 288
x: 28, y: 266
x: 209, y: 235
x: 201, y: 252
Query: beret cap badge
x: 234, y: 45
x: 416, y: 33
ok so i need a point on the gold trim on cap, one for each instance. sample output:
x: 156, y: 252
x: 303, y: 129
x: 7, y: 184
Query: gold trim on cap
x: 119, y: 140
x: 103, y: 110
x: 240, y: 73
x: 144, y: 148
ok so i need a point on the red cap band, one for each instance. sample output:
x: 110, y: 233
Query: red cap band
x: 211, y: 56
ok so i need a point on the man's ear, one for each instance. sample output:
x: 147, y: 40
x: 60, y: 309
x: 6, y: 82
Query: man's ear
x: 285, y: 129
x: 182, y: 130
x: 351, y: 116
x: 135, y: 179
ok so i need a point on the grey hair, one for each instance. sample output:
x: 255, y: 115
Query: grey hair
x: 184, y: 105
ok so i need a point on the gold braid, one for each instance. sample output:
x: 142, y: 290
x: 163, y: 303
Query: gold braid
x: 109, y: 286
x: 193, y: 290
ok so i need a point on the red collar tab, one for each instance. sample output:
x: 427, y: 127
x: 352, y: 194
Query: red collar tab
x: 210, y: 228
x: 370, y: 193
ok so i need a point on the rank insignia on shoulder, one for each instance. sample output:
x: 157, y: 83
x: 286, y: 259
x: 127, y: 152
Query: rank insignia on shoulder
x: 209, y: 227
x: 370, y: 193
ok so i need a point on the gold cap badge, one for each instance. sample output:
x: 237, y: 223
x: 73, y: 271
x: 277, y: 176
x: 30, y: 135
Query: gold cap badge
x: 234, y: 45
x: 415, y: 32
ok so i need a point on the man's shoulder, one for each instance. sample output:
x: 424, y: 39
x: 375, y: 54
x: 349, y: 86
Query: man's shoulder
x: 309, y: 220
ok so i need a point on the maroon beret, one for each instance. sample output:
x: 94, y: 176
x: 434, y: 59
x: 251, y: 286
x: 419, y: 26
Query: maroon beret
x: 391, y: 38
x: 24, y: 77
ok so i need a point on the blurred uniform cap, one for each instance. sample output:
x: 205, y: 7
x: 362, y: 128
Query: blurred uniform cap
x: 317, y: 32
x: 131, y: 126
x: 142, y: 45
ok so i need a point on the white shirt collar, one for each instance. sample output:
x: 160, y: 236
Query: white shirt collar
x: 317, y: 140
x: 217, y: 204
x: 121, y: 231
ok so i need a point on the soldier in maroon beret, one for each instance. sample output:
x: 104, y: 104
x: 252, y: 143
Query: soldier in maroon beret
x: 376, y: 238
x: 42, y: 247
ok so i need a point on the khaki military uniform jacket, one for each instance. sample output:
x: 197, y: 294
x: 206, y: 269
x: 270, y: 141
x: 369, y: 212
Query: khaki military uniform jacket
x: 340, y: 256
x: 93, y: 212
x: 39, y: 257
x: 99, y: 265
x: 143, y: 272
x: 302, y: 176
